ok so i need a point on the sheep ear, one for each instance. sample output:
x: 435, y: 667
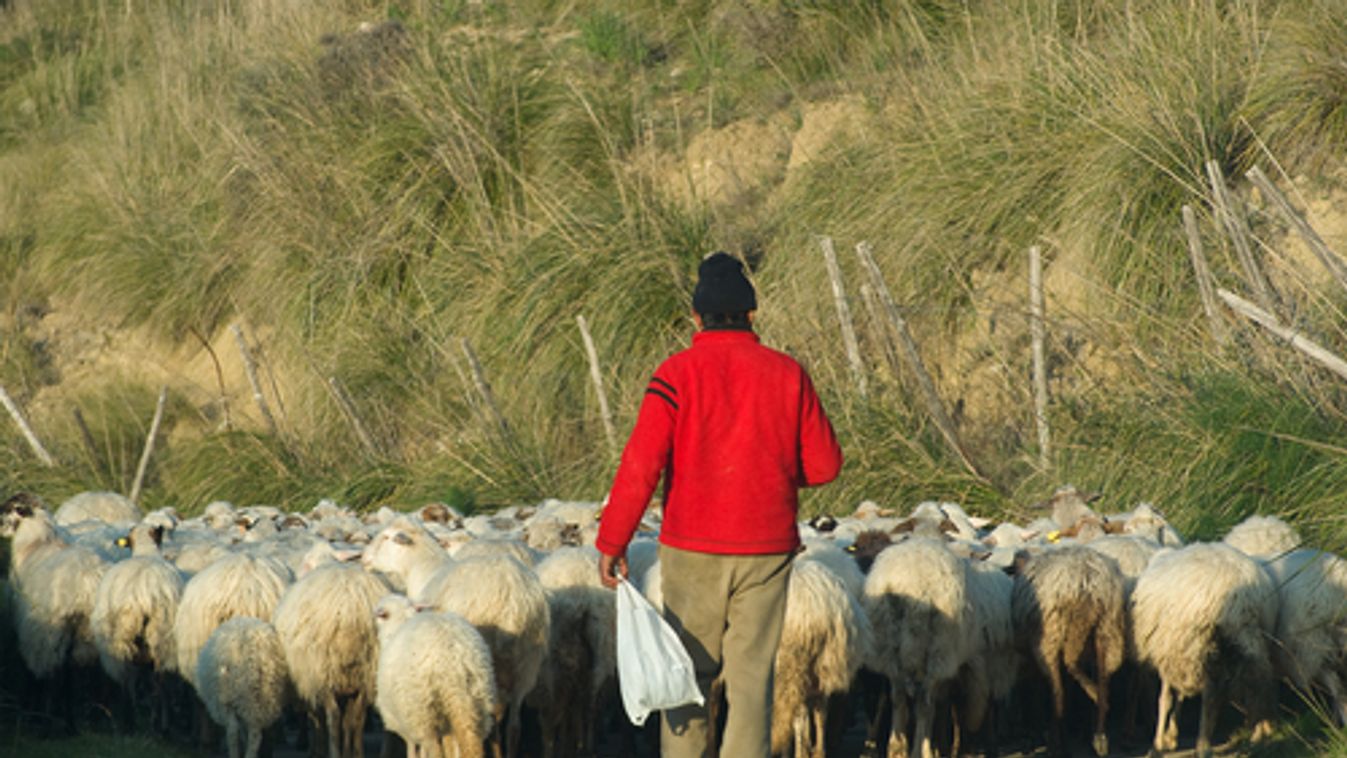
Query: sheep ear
x: 402, y: 538
x: 904, y: 526
x: 346, y: 556
x: 1114, y: 527
x: 1090, y: 497
x: 948, y: 526
x: 422, y: 607
x: 157, y: 534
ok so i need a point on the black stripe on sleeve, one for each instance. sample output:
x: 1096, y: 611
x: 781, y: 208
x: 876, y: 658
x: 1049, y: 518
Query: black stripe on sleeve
x: 657, y: 391
x: 656, y: 380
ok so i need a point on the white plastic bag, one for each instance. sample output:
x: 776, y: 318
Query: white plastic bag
x: 654, y: 671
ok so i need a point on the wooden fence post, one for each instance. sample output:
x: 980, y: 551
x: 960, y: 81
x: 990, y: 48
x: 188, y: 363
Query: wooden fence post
x: 28, y: 433
x: 1203, y: 273
x: 347, y: 406
x: 1334, y: 264
x: 908, y: 345
x: 149, y: 445
x: 1037, y: 330
x: 596, y: 376
x: 250, y: 368
x: 844, y: 316
x: 1300, y: 342
x: 484, y: 389
x: 1237, y: 228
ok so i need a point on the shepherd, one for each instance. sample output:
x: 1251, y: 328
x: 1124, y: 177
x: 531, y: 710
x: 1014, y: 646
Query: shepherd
x: 736, y: 429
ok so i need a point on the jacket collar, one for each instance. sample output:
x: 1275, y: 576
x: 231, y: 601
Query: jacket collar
x: 708, y: 336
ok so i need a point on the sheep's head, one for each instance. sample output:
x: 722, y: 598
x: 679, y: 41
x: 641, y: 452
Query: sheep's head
x: 17, y: 508
x: 144, y: 539
x: 868, y: 544
x: 390, y: 613
x: 397, y: 547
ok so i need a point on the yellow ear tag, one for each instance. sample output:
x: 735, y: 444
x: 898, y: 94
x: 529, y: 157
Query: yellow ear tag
x: 123, y: 542
x: 1054, y: 535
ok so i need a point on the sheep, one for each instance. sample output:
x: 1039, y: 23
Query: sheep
x: 435, y: 687
x: 825, y: 637
x: 236, y: 585
x: 582, y: 650
x: 916, y: 596
x: 242, y: 678
x: 1263, y: 537
x: 1201, y: 618
x: 505, y: 601
x: 1068, y: 603
x: 107, y: 507
x: 1311, y: 640
x: 326, y: 626
x: 133, y: 615
x: 53, y: 585
x: 407, y: 555
x: 989, y: 676
x: 838, y: 561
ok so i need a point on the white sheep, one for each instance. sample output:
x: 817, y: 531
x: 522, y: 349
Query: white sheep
x: 487, y: 546
x: 132, y: 621
x: 1311, y: 641
x: 1068, y: 611
x: 916, y: 596
x: 107, y: 507
x: 837, y: 560
x: 1263, y: 537
x: 236, y: 585
x: 825, y: 637
x: 990, y: 674
x: 407, y: 555
x: 326, y: 625
x: 1201, y: 618
x: 53, y: 585
x: 436, y: 688
x: 582, y: 650
x: 241, y: 676
x: 505, y: 601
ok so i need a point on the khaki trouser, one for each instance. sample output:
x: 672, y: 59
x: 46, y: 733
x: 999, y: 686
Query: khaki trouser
x: 728, y: 611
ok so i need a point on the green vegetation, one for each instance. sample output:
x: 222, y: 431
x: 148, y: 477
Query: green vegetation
x: 365, y: 200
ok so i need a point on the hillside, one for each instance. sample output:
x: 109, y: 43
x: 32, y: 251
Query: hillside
x: 362, y: 187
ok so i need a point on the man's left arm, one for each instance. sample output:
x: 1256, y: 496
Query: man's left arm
x: 820, y: 455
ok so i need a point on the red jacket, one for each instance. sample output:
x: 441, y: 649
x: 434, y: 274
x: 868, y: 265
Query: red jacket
x: 737, y: 428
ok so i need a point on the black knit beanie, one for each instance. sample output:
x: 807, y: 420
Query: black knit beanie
x: 722, y: 286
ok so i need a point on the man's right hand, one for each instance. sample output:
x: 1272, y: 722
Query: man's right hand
x: 610, y: 568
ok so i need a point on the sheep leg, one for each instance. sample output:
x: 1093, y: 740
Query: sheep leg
x: 513, y: 726
x: 254, y: 743
x: 1054, y: 671
x: 332, y: 714
x: 1101, y: 701
x: 233, y: 738
x: 1211, y: 705
x: 820, y: 729
x: 1162, y: 717
x: 921, y: 739
x: 353, y: 726
x: 898, y: 726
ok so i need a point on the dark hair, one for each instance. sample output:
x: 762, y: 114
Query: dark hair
x: 726, y: 320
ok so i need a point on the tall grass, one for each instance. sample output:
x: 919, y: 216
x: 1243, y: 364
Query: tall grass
x: 367, y: 200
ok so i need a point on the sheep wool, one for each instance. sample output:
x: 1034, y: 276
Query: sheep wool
x: 241, y: 676
x: 326, y: 626
x: 436, y: 688
x: 1263, y: 537
x: 1311, y: 647
x: 236, y: 585
x: 108, y: 507
x: 825, y: 638
x: 1202, y: 615
x: 916, y: 596
x: 134, y: 611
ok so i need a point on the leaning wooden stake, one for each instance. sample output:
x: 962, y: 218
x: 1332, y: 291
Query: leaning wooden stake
x: 1296, y: 339
x: 908, y: 346
x: 250, y: 367
x: 1238, y: 230
x: 1330, y: 260
x: 86, y: 437
x: 1037, y: 331
x: 1203, y: 273
x: 347, y: 407
x: 484, y: 389
x: 844, y: 316
x: 596, y: 376
x: 149, y: 445
x: 28, y: 433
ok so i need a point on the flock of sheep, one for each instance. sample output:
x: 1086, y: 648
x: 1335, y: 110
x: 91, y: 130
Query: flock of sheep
x: 450, y: 626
